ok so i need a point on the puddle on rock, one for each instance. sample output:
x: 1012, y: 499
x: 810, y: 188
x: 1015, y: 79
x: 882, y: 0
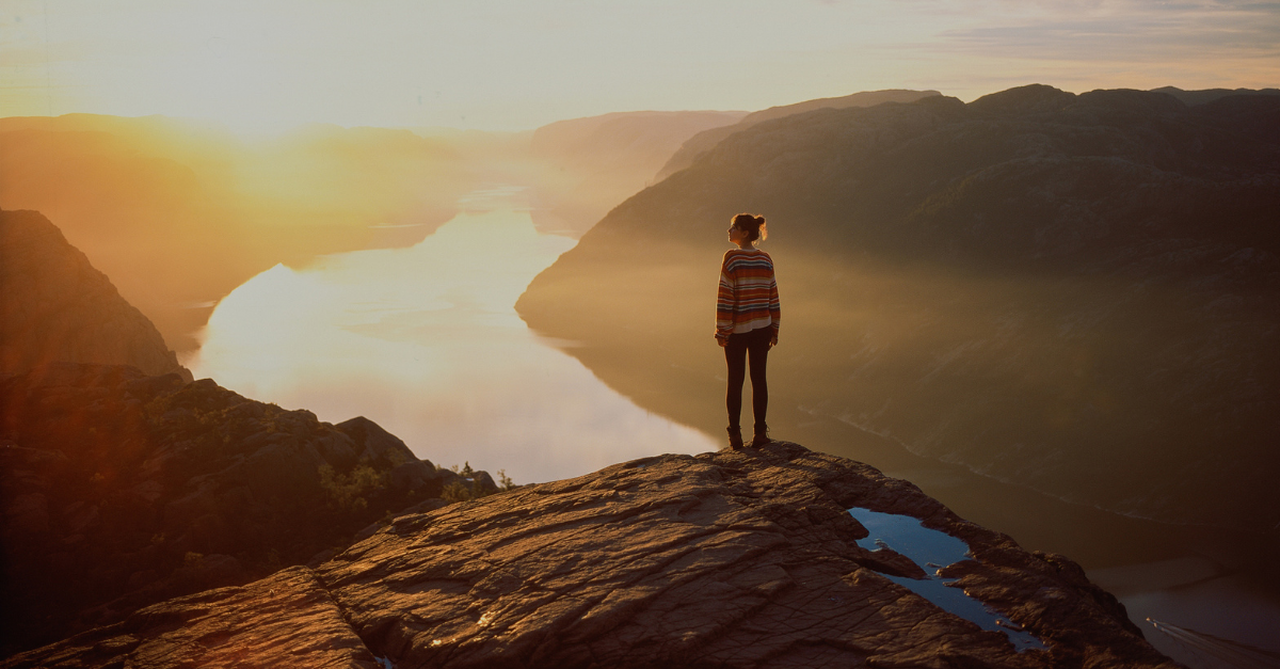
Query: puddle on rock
x: 934, y: 550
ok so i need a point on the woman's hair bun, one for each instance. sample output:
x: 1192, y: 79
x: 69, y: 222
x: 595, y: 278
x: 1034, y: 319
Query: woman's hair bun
x: 752, y: 224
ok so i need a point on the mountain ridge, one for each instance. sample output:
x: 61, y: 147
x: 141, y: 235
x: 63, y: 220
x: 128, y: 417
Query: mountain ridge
x: 707, y: 139
x: 1074, y: 292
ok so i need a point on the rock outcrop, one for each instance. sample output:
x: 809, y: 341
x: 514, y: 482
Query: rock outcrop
x: 55, y: 307
x: 1078, y: 293
x: 729, y: 559
x: 119, y: 490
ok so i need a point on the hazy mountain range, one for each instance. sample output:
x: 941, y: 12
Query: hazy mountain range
x: 1079, y: 293
x: 179, y: 213
x: 707, y: 139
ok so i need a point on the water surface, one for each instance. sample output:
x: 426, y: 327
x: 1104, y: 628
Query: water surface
x: 933, y: 550
x: 425, y: 342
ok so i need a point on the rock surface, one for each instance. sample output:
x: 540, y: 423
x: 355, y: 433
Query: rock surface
x: 729, y: 559
x: 285, y: 620
x: 55, y: 307
x: 1077, y: 293
x: 119, y: 490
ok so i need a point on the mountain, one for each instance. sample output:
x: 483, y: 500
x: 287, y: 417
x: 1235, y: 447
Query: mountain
x: 1200, y: 97
x: 1077, y: 293
x: 55, y: 307
x: 120, y: 490
x: 707, y: 139
x: 156, y: 197
x: 776, y: 557
x: 587, y: 166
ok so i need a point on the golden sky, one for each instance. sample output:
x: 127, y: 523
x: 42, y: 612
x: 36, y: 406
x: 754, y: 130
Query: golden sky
x: 266, y: 65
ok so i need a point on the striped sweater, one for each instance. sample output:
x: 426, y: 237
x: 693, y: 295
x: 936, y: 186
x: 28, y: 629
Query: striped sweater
x: 748, y: 296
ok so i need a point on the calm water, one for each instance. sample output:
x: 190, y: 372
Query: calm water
x: 425, y: 342
x: 932, y: 550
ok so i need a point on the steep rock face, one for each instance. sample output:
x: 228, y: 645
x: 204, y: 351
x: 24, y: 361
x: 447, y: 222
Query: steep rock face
x: 1080, y: 293
x: 55, y: 307
x: 730, y: 559
x: 120, y: 490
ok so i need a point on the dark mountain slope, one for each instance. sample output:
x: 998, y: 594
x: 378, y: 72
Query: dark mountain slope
x: 55, y: 307
x: 707, y: 139
x: 119, y: 490
x: 1079, y: 293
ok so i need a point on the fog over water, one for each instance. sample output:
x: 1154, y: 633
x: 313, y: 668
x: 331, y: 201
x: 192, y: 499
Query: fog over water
x: 425, y: 342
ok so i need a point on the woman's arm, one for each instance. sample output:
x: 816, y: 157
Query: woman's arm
x: 726, y: 303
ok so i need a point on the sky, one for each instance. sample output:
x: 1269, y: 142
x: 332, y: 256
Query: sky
x: 262, y: 66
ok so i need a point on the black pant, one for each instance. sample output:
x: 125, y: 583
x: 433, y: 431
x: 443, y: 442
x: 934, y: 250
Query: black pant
x: 755, y: 344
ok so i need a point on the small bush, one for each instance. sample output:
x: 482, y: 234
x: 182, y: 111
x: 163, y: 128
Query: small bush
x: 456, y: 491
x: 347, y: 492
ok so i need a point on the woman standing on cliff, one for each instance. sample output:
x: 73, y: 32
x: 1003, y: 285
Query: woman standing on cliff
x: 747, y: 318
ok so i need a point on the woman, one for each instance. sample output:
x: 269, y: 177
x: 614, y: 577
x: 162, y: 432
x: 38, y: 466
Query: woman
x: 747, y: 318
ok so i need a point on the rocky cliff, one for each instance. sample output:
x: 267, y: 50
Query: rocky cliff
x: 55, y: 307
x: 1079, y: 293
x: 729, y: 559
x: 120, y: 489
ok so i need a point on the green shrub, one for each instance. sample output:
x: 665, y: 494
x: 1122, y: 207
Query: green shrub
x: 347, y: 492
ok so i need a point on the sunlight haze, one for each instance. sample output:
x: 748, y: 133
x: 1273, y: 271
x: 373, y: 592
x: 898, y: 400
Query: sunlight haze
x: 500, y: 65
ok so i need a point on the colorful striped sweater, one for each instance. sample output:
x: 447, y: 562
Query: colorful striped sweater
x: 748, y: 296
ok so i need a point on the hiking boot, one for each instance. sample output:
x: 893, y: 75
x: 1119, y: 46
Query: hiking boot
x: 735, y: 437
x: 761, y: 437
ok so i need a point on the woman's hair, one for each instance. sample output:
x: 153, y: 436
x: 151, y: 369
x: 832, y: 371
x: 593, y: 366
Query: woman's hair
x: 754, y: 225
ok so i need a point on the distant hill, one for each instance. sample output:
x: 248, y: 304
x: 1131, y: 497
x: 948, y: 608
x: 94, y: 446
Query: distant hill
x: 1077, y: 293
x: 705, y: 140
x: 587, y: 166
x: 1200, y: 97
x: 55, y: 307
x: 179, y: 214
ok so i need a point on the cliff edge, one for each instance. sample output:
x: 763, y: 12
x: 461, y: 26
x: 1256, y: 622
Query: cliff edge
x: 730, y: 559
